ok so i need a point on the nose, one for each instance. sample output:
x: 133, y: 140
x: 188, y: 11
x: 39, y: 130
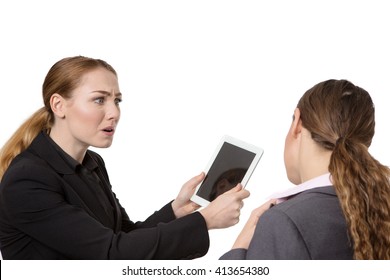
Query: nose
x: 113, y: 111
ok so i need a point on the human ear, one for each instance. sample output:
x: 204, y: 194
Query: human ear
x: 57, y: 104
x: 296, y: 127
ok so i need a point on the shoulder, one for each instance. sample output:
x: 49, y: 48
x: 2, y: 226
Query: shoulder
x: 309, y: 225
x: 38, y: 165
x: 313, y: 212
x: 26, y: 165
x: 277, y: 236
x: 286, y: 231
x: 321, y: 200
x: 28, y: 181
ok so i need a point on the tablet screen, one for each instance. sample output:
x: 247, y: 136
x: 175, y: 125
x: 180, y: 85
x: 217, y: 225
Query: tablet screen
x: 227, y: 170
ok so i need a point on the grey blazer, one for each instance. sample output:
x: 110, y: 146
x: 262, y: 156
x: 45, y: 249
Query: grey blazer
x: 310, y: 225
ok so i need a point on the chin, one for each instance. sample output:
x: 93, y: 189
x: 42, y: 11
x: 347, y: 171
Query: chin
x: 293, y: 178
x: 103, y: 145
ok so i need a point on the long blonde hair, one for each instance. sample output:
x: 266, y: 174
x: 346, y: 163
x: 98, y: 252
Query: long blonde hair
x: 63, y: 77
x: 340, y: 117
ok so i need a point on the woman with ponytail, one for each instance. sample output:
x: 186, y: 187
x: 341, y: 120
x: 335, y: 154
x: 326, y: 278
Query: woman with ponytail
x: 341, y: 206
x: 56, y: 201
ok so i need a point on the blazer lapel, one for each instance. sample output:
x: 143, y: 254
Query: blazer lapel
x: 77, y: 191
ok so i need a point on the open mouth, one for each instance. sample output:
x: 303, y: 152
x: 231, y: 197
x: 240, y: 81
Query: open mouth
x: 109, y: 130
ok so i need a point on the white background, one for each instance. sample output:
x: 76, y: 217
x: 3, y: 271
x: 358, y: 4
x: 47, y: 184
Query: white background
x: 192, y: 71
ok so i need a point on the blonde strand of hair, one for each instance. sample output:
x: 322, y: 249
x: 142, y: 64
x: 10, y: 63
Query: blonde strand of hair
x: 23, y: 136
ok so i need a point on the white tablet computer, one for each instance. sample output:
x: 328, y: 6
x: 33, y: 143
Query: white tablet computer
x: 233, y: 162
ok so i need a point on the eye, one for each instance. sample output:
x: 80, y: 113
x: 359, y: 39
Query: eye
x: 118, y: 100
x: 99, y: 100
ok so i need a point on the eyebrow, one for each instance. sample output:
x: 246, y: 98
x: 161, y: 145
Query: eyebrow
x: 117, y: 94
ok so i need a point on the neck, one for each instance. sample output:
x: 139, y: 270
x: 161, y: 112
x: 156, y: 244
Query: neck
x: 67, y: 144
x: 316, y: 167
x: 314, y: 160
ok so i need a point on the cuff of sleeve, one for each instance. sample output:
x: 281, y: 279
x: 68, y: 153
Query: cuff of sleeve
x: 167, y: 211
x: 188, y: 237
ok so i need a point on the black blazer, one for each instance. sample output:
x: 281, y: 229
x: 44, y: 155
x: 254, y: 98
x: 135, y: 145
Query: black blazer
x: 46, y: 213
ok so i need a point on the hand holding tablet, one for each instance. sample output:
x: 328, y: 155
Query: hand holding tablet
x: 233, y: 162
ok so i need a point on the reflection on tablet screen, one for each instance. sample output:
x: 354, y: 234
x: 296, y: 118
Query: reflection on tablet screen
x: 227, y: 170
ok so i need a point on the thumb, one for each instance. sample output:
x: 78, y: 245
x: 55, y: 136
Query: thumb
x: 193, y: 182
x: 235, y: 189
x: 199, y: 178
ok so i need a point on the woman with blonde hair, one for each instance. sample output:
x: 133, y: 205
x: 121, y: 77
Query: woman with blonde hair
x: 341, y: 206
x: 56, y: 201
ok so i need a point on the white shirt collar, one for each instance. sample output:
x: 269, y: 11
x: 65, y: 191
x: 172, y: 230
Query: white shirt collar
x: 320, y: 181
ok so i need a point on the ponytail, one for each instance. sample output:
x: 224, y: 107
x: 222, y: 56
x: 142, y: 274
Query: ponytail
x: 22, y: 138
x: 363, y: 187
